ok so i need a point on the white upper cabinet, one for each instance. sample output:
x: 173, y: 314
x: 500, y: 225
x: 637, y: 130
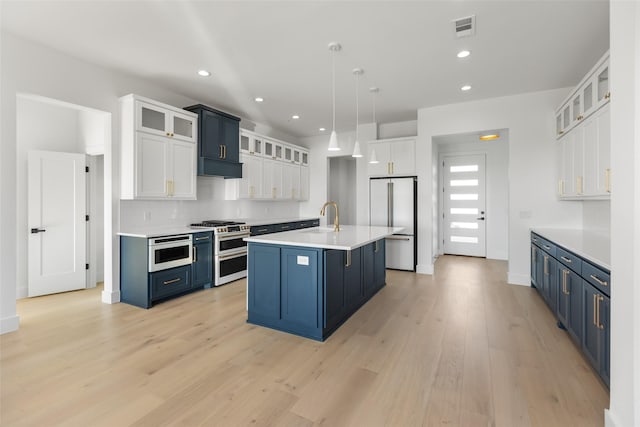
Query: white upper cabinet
x: 395, y: 157
x: 583, y: 129
x: 271, y: 170
x: 158, y: 149
x: 591, y: 93
x: 160, y: 120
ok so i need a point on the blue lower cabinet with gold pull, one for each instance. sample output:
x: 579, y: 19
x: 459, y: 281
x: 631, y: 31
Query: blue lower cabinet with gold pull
x: 308, y: 291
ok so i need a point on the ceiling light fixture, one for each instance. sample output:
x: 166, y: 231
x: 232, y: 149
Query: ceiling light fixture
x: 204, y: 73
x: 356, y: 147
x: 463, y: 53
x: 374, y: 91
x: 258, y: 99
x: 295, y: 117
x: 333, y: 140
x: 489, y: 137
x: 465, y: 88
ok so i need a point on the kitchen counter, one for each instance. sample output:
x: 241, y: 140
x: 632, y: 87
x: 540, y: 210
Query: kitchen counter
x: 348, y: 238
x: 590, y: 245
x: 147, y: 232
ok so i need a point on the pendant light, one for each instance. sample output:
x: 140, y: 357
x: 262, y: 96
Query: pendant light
x: 333, y: 140
x: 374, y: 90
x: 356, y: 147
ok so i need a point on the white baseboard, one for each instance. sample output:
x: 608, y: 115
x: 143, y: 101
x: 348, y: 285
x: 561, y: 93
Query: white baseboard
x: 424, y: 269
x: 22, y: 292
x: 609, y: 420
x: 9, y: 324
x: 519, y: 279
x: 110, y: 297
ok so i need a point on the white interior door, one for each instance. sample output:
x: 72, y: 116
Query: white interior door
x: 464, y: 215
x: 57, y: 225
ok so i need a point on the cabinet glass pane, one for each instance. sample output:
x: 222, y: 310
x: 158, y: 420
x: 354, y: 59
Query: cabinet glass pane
x: 587, y: 97
x: 559, y: 124
x: 296, y: 156
x: 603, y: 84
x: 182, y: 126
x: 257, y: 146
x: 152, y: 119
x: 268, y: 149
x: 244, y: 143
x: 576, y: 108
x: 305, y: 158
x: 287, y: 153
x: 566, y: 117
x: 278, y: 151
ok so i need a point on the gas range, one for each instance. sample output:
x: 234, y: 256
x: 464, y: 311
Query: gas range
x: 222, y: 227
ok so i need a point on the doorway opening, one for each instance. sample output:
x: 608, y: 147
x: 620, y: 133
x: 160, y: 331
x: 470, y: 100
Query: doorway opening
x: 54, y: 127
x: 473, y: 194
x: 341, y: 188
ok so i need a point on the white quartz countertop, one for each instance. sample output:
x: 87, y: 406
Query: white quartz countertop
x: 349, y: 237
x: 591, y: 245
x: 266, y: 221
x: 147, y: 232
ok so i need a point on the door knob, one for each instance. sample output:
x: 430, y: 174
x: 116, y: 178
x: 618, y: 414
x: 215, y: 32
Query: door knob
x: 37, y: 230
x: 481, y: 218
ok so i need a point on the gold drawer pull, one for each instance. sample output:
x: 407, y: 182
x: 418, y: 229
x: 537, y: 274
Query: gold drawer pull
x: 595, y: 309
x: 170, y: 282
x: 565, y: 259
x: 600, y: 281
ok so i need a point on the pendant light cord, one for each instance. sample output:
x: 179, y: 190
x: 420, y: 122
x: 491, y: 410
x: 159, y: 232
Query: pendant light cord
x: 357, y: 104
x: 333, y: 86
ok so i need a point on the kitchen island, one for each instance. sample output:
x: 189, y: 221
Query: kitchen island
x: 308, y: 282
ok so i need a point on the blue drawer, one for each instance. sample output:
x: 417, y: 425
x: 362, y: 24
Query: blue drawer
x: 257, y: 230
x: 202, y: 237
x: 544, y: 244
x: 569, y: 259
x: 287, y: 226
x: 169, y: 282
x: 599, y: 278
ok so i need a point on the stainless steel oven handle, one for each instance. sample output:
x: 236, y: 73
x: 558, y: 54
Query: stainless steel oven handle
x: 231, y: 256
x: 397, y: 238
x: 229, y: 236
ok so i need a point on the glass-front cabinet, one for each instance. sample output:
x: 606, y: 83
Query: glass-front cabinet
x: 251, y: 144
x: 159, y: 121
x: 603, y: 84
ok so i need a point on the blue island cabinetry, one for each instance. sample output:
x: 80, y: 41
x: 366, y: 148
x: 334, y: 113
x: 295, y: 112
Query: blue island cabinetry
x: 311, y: 291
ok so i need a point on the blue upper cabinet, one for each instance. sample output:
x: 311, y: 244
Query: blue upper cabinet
x: 218, y: 142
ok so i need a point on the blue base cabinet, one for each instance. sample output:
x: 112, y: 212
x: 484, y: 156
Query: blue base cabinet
x: 202, y: 266
x: 307, y: 291
x: 577, y: 292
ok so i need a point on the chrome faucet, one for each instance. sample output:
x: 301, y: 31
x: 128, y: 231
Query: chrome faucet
x: 336, y: 222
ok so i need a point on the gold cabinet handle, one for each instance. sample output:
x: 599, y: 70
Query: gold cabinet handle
x: 224, y: 152
x: 565, y: 259
x: 595, y: 309
x: 388, y: 168
x: 375, y: 248
x: 561, y: 187
x: 607, y: 180
x: 169, y: 282
x: 348, y: 262
x: 195, y: 253
x: 607, y: 95
x: 600, y: 325
x: 600, y: 281
x: 561, y: 132
x: 580, y: 117
x: 273, y: 192
x: 220, y: 152
x: 565, y: 273
x: 579, y: 184
x: 546, y: 265
x: 168, y: 133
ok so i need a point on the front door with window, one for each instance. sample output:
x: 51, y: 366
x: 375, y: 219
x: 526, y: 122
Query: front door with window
x: 464, y: 205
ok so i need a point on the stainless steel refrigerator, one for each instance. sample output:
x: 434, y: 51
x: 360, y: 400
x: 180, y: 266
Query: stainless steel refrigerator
x: 393, y: 203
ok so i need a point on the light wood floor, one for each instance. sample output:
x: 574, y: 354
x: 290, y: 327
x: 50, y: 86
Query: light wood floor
x: 459, y: 348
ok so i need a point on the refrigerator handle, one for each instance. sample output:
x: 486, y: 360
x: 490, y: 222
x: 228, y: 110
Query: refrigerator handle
x: 390, y: 204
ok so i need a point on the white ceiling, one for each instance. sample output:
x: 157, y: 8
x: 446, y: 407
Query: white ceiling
x: 278, y: 50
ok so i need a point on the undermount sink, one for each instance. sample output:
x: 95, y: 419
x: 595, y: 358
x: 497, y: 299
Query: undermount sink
x: 317, y: 230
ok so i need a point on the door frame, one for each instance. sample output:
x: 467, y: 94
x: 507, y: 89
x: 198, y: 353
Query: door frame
x: 441, y: 157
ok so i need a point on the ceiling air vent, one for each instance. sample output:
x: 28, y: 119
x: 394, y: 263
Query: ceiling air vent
x: 465, y: 27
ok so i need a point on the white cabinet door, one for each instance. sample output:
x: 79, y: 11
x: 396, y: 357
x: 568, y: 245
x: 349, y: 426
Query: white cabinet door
x: 295, y: 182
x: 565, y: 186
x: 304, y: 183
x: 249, y: 185
x: 603, y: 186
x: 269, y: 185
x: 403, y: 157
x: 152, y: 174
x: 183, y: 168
x: 590, y: 147
x: 290, y: 180
x: 578, y: 160
x: 383, y: 155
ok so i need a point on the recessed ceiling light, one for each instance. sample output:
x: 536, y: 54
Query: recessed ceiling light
x: 295, y: 117
x: 489, y: 137
x: 204, y: 73
x: 465, y: 88
x: 463, y: 53
x: 258, y: 99
x: 322, y: 129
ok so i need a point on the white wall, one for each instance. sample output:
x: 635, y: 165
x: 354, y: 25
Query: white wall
x: 98, y: 216
x: 624, y: 409
x: 497, y: 188
x: 397, y: 129
x: 532, y: 168
x: 342, y: 188
x: 596, y: 216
